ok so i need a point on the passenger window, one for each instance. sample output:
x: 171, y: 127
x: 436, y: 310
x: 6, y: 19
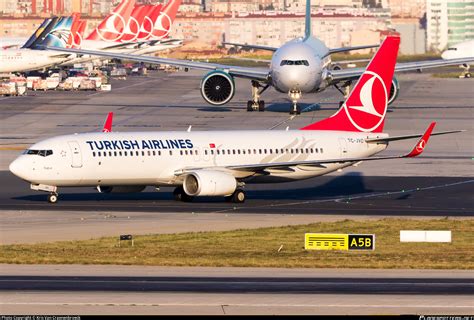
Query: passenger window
x: 99, y: 154
x: 125, y: 153
x: 115, y: 153
x: 136, y: 153
x: 205, y: 152
x: 143, y: 153
x: 93, y: 154
x: 322, y: 150
x: 171, y: 153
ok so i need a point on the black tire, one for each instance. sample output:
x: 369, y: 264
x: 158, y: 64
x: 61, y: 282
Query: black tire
x: 261, y: 106
x: 249, y: 106
x: 238, y: 196
x: 52, y: 198
x: 298, y: 110
x: 178, y: 194
x: 467, y: 75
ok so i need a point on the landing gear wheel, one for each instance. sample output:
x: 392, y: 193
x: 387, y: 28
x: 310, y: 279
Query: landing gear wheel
x: 53, y: 198
x: 237, y: 197
x: 261, y: 106
x: 249, y: 105
x: 180, y: 195
x: 467, y: 75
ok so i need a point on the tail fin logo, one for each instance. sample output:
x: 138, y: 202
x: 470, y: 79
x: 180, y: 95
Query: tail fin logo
x: 420, y: 146
x: 114, y: 27
x: 369, y: 112
x: 162, y: 26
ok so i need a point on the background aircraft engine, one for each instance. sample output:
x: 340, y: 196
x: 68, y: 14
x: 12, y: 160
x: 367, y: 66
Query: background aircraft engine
x: 394, y: 91
x: 209, y: 183
x: 120, y: 189
x: 217, y: 87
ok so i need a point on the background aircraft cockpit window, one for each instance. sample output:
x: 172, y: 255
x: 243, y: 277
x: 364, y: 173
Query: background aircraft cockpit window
x: 43, y: 153
x: 294, y: 63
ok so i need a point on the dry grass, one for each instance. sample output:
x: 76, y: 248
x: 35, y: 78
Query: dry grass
x: 259, y: 248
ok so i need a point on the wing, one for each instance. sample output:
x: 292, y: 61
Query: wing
x: 345, y: 49
x: 250, y: 46
x: 260, y: 74
x: 350, y: 74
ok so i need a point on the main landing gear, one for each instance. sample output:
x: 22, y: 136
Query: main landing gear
x: 346, y: 89
x: 256, y: 104
x: 295, y: 95
x: 180, y: 195
x: 466, y: 72
x: 237, y: 197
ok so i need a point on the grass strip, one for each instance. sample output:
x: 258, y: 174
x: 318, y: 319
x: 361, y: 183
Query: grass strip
x: 259, y: 248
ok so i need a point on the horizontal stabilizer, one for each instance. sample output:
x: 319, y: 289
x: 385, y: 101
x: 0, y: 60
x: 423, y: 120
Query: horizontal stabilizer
x: 345, y: 49
x: 413, y: 136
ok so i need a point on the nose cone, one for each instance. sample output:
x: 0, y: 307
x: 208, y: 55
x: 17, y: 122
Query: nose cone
x: 18, y: 168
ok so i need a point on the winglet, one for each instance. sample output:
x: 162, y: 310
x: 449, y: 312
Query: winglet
x: 421, y: 144
x: 108, y: 123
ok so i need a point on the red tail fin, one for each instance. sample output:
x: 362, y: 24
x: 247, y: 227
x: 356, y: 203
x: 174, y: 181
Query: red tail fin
x: 112, y: 27
x: 79, y: 34
x: 132, y: 28
x: 74, y: 28
x: 147, y: 26
x: 108, y: 123
x: 365, y: 108
x: 162, y: 25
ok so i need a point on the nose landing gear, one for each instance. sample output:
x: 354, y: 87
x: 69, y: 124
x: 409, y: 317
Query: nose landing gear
x: 256, y: 104
x: 53, y: 197
x: 295, y: 95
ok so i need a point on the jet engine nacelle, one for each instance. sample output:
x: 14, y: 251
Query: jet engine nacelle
x: 394, y: 91
x: 209, y: 183
x: 120, y: 189
x: 217, y: 87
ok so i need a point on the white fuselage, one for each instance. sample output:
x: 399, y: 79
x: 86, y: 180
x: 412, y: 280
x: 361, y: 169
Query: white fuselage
x: 300, y: 65
x: 460, y: 50
x: 12, y: 43
x: 159, y: 158
x: 21, y: 60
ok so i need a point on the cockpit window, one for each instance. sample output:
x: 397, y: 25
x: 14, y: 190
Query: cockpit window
x: 42, y: 153
x: 453, y: 49
x: 294, y: 63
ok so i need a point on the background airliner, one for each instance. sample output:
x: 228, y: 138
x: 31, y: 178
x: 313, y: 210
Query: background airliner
x: 299, y: 66
x: 130, y: 28
x: 220, y: 163
x: 461, y: 50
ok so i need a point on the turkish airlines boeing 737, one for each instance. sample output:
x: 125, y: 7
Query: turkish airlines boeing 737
x: 220, y: 163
